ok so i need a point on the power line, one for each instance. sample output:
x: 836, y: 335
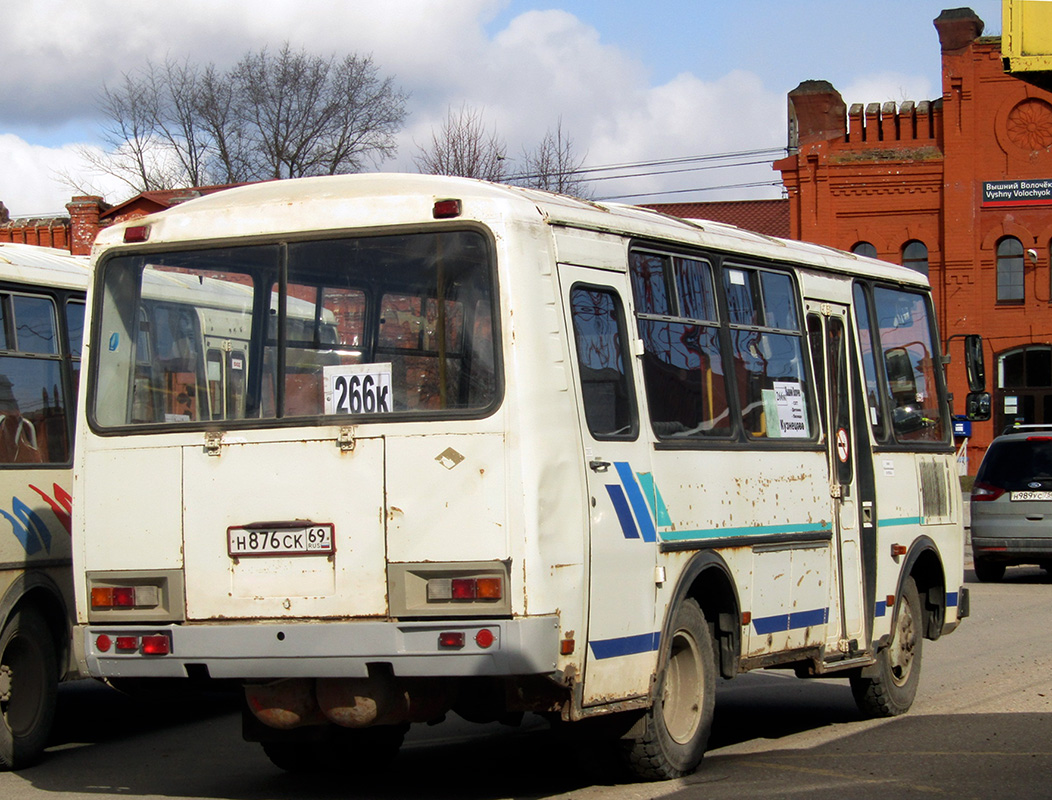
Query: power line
x: 696, y: 189
x: 582, y: 172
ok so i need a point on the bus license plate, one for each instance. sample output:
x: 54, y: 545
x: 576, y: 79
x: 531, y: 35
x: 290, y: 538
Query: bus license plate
x: 1031, y: 496
x: 308, y: 540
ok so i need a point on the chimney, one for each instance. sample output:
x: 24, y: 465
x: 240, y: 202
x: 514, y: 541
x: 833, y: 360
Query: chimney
x: 958, y: 28
x: 816, y: 113
x: 84, y: 212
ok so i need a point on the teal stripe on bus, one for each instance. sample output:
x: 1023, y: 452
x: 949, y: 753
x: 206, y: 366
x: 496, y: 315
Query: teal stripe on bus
x: 895, y: 521
x: 750, y: 530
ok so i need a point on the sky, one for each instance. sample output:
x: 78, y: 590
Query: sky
x: 628, y: 82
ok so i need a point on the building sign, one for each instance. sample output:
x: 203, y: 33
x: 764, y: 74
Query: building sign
x: 1037, y: 192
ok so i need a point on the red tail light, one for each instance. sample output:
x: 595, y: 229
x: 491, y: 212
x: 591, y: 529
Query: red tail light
x: 985, y: 491
x: 156, y: 645
x: 451, y: 639
x: 113, y: 597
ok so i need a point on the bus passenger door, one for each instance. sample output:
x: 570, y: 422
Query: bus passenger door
x: 851, y: 499
x: 622, y: 635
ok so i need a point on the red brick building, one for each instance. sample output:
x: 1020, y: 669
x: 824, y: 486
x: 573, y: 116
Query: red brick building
x: 769, y: 217
x: 960, y: 188
x: 88, y: 215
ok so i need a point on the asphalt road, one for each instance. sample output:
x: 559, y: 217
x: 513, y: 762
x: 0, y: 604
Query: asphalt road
x: 980, y: 728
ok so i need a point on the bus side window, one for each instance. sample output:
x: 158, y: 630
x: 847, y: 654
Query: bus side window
x: 33, y: 419
x: 767, y: 353
x: 866, y: 340
x: 682, y: 365
x: 908, y: 354
x: 606, y: 385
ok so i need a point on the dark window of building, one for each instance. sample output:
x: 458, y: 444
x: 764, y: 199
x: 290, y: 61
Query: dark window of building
x: 864, y: 249
x: 1009, y: 270
x: 1024, y: 381
x: 915, y: 256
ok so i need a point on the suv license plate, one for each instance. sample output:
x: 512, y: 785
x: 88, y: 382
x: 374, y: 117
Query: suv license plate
x: 1031, y: 496
x: 308, y: 540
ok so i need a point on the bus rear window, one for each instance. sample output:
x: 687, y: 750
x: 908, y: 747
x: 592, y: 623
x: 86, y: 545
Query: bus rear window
x: 367, y: 326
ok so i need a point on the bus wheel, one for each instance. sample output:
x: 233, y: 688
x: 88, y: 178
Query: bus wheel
x: 891, y: 689
x: 988, y: 571
x: 28, y: 688
x: 678, y: 723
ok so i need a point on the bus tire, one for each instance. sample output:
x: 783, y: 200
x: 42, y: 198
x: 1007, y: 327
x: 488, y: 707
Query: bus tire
x: 28, y: 688
x: 988, y: 571
x: 891, y: 690
x: 678, y: 722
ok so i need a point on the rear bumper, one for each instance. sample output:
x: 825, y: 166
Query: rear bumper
x: 1012, y: 548
x: 524, y: 646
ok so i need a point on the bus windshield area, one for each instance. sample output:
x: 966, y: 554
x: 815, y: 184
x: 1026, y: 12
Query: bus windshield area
x: 369, y: 326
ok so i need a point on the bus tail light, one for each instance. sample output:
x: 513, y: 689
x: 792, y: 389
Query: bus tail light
x: 449, y: 588
x: 446, y: 589
x: 113, y: 597
x: 156, y: 645
x: 451, y: 639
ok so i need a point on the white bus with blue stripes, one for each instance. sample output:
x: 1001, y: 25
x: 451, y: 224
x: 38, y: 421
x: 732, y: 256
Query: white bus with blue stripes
x: 41, y: 326
x: 525, y: 454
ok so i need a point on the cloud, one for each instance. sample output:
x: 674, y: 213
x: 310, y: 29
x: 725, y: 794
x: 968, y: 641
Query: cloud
x: 540, y: 69
x: 884, y: 86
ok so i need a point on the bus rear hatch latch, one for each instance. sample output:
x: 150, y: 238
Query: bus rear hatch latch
x: 346, y: 439
x: 213, y: 442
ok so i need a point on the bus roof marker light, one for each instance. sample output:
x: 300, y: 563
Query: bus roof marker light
x: 134, y: 234
x: 446, y: 209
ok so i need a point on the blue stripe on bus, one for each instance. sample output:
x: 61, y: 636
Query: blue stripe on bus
x: 626, y: 645
x: 624, y: 514
x: 792, y: 621
x: 749, y: 530
x: 951, y: 602
x: 657, y: 504
x: 635, y: 499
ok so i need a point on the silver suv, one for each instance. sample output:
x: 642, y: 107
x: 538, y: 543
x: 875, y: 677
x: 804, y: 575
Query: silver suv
x: 1012, y: 503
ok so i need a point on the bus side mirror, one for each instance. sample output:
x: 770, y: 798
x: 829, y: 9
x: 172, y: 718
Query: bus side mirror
x: 977, y: 406
x: 975, y: 368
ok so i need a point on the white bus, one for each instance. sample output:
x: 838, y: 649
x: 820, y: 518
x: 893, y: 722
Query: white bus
x: 41, y: 324
x: 524, y: 453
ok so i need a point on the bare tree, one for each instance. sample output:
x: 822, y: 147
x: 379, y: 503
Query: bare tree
x: 132, y: 150
x: 554, y: 166
x: 282, y: 115
x: 464, y: 147
x: 306, y: 115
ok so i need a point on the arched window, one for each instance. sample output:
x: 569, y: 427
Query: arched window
x: 864, y: 249
x: 915, y: 256
x: 1010, y: 270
